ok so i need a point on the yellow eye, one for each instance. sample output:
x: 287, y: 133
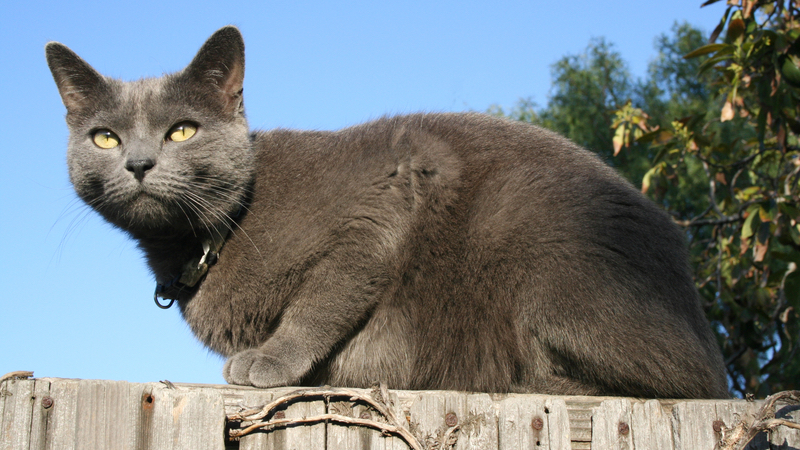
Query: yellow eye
x: 105, y: 139
x: 181, y: 132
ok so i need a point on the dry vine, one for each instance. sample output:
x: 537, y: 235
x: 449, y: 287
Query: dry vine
x: 738, y: 436
x: 16, y: 375
x: 253, y: 419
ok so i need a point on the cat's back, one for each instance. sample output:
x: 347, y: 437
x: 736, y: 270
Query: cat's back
x: 497, y: 175
x: 479, y: 182
x: 462, y: 145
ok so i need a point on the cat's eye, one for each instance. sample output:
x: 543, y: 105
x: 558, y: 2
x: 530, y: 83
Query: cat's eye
x: 105, y: 139
x: 181, y: 132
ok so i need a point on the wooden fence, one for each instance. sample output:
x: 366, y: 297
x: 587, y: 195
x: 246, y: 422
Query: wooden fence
x: 53, y: 413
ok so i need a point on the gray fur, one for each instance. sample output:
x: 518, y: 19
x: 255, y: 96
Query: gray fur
x: 429, y: 251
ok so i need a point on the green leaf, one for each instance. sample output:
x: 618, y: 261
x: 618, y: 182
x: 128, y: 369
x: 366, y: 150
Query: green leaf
x: 764, y: 233
x: 619, y: 139
x: 767, y: 211
x: 721, y: 55
x: 721, y: 25
x: 748, y: 229
x: 704, y: 50
x: 660, y: 136
x: 761, y: 127
x: 795, y: 234
x: 661, y: 152
x: 789, y: 210
x: 648, y: 177
x: 751, y: 26
x: 746, y: 193
x: 789, y: 70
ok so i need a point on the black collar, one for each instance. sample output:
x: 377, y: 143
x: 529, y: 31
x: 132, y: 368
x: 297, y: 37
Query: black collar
x: 193, y: 271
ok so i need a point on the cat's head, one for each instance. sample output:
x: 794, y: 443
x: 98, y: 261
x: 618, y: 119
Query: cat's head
x: 162, y: 155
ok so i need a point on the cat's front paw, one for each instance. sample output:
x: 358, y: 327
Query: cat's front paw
x: 255, y: 368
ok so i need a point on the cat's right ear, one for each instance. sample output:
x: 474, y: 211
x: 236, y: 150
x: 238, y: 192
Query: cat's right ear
x: 219, y: 65
x: 78, y: 83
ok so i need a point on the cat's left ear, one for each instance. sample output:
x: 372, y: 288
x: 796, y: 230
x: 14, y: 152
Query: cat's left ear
x: 80, y: 86
x: 220, y: 64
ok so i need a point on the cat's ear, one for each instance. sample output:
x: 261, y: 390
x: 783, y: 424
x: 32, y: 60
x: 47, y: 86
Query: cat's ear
x: 220, y: 64
x: 78, y: 83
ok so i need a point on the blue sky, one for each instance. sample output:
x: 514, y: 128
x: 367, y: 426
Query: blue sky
x: 76, y: 296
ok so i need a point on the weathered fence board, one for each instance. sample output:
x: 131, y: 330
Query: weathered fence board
x: 610, y: 425
x: 528, y: 421
x: 51, y: 413
x: 786, y: 438
x: 434, y: 413
x: 39, y: 415
x: 17, y: 416
x: 652, y: 425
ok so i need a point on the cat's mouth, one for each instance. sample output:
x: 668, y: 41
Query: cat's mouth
x: 143, y: 209
x: 174, y: 211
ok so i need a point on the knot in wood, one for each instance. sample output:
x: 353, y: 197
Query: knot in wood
x: 147, y: 401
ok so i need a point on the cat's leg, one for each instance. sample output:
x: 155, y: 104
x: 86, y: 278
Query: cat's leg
x: 336, y: 297
x: 636, y: 353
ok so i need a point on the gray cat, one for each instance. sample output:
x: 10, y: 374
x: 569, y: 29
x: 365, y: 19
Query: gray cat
x: 429, y: 251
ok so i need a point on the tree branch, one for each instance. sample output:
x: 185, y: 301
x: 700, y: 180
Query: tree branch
x: 721, y: 221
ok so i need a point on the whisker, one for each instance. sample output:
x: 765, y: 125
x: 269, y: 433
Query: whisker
x: 198, y: 208
x: 231, y: 195
x: 188, y: 219
x: 225, y: 218
x: 80, y: 213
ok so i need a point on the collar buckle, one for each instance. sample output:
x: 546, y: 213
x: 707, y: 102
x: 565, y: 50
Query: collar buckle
x: 193, y: 271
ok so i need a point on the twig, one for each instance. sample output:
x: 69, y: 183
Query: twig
x: 446, y: 438
x: 775, y: 423
x: 722, y: 220
x: 260, y: 413
x: 257, y: 414
x: 384, y: 428
x: 733, y: 182
x: 735, y: 356
x: 782, y: 301
x: 738, y: 163
x: 738, y: 436
x: 19, y: 374
x: 789, y: 181
x: 712, y: 190
x: 739, y: 216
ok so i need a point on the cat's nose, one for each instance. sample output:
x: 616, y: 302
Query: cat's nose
x: 139, y: 167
